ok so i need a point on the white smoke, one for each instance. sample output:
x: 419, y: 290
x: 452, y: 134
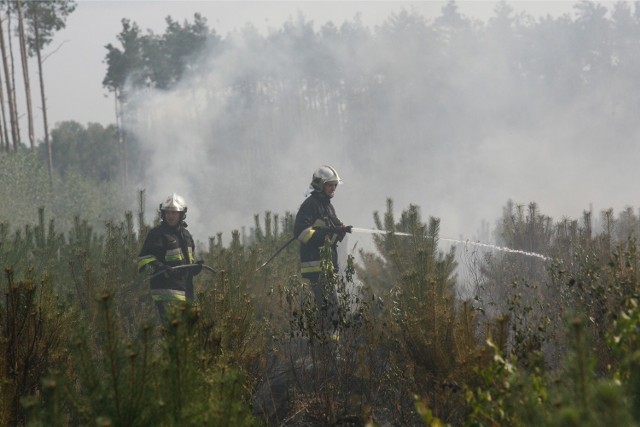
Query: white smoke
x: 459, y: 157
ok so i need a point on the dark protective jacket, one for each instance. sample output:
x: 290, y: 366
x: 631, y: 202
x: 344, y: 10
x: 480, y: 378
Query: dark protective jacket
x: 168, y: 246
x: 314, y: 222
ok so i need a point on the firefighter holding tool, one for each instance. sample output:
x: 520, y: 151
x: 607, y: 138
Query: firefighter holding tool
x: 316, y: 222
x: 167, y: 255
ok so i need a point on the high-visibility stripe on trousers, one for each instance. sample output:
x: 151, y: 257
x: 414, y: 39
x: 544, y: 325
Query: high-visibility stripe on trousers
x: 168, y: 295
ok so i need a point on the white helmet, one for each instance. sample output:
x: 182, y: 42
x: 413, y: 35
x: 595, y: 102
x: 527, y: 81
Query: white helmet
x: 174, y: 203
x: 322, y: 175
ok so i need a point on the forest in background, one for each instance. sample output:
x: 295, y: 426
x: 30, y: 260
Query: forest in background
x: 530, y: 342
x: 454, y: 114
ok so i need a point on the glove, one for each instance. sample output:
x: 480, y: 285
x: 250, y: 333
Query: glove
x: 342, y: 230
x: 197, y: 268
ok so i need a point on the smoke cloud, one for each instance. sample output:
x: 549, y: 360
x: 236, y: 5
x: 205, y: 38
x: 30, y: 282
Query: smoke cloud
x: 456, y: 117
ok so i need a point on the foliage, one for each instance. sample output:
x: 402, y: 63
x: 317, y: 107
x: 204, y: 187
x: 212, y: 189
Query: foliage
x: 569, y: 357
x: 81, y: 343
x: 44, y: 19
x: 159, y: 61
x: 623, y: 340
x: 435, y: 336
x: 33, y: 326
x: 92, y: 152
x: 126, y: 63
x: 100, y: 358
x: 573, y: 395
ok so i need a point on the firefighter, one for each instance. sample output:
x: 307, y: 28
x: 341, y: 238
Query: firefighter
x: 316, y: 222
x: 168, y: 245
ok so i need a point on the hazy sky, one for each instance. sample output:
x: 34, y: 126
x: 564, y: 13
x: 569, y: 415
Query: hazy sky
x: 75, y: 68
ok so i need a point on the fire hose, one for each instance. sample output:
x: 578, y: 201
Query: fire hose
x: 180, y: 267
x: 277, y: 252
x: 350, y: 228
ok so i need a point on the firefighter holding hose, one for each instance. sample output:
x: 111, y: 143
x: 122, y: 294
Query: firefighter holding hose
x: 167, y: 248
x: 315, y: 223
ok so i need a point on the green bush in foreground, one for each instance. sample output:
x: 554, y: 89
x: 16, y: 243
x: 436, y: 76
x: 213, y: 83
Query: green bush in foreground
x: 80, y: 343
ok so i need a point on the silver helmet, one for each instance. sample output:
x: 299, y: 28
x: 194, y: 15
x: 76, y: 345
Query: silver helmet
x: 174, y: 203
x: 322, y: 175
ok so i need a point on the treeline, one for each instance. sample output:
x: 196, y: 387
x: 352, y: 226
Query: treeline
x: 534, y: 343
x: 349, y: 82
x: 93, y: 152
x: 429, y: 86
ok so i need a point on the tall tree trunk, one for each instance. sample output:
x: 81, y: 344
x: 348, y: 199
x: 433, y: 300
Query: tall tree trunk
x: 13, y: 116
x: 25, y: 75
x: 47, y: 140
x: 4, y: 133
x: 12, y: 68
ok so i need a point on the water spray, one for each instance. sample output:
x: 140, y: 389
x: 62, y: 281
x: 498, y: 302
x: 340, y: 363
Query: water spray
x: 464, y: 242
x: 376, y: 231
x: 497, y: 248
x: 398, y: 233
